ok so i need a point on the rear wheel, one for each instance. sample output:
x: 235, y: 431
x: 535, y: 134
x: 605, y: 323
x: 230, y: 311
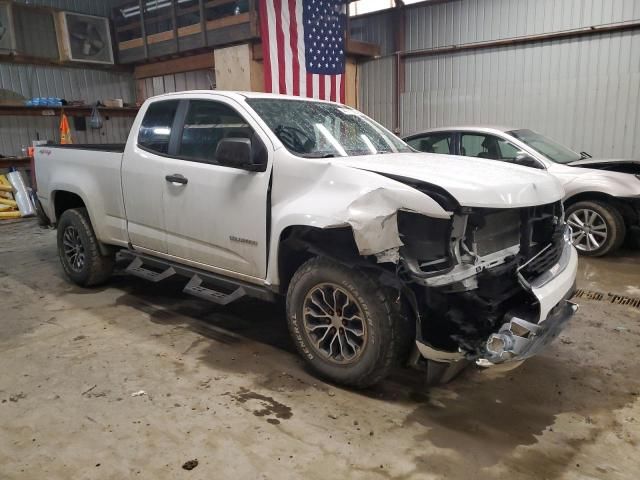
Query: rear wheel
x: 344, y: 324
x: 598, y: 227
x: 79, y: 250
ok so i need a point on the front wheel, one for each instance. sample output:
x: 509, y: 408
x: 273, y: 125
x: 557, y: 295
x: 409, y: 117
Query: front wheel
x: 598, y: 228
x: 344, y: 324
x: 79, y: 251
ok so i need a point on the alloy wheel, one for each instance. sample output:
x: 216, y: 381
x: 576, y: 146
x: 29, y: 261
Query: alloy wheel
x: 334, y: 323
x: 589, y: 230
x: 73, y: 248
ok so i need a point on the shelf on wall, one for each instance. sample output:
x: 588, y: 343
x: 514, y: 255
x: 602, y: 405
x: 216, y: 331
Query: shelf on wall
x: 8, y: 162
x: 23, y: 110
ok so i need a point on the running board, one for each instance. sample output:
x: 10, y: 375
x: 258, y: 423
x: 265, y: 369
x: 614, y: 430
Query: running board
x: 195, y: 288
x: 137, y: 268
x: 202, y: 284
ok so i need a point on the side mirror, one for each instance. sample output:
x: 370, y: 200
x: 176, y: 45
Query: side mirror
x: 234, y: 152
x: 242, y: 153
x: 526, y: 160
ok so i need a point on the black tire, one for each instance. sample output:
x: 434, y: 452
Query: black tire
x: 381, y: 316
x: 95, y: 268
x: 615, y: 227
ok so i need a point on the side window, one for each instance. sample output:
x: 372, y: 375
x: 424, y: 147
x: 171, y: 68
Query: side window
x: 155, y: 129
x: 508, y: 151
x: 435, y: 143
x: 207, y: 123
x: 487, y: 146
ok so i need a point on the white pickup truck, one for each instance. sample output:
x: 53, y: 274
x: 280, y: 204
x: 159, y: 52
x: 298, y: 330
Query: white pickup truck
x: 384, y: 255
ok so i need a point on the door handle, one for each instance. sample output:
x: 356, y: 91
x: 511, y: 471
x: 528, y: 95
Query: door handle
x: 176, y: 178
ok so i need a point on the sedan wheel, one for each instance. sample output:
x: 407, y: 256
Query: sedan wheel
x: 589, y: 230
x: 598, y: 227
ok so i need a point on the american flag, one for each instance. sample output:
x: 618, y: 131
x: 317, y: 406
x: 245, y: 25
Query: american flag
x: 304, y: 48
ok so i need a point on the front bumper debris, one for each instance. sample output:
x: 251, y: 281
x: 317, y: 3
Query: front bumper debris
x: 526, y: 331
x: 520, y: 338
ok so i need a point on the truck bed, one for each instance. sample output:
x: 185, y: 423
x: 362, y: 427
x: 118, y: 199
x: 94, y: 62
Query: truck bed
x: 88, y: 172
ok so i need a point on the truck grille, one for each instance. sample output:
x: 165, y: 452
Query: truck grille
x: 537, y: 230
x: 544, y: 259
x: 541, y: 239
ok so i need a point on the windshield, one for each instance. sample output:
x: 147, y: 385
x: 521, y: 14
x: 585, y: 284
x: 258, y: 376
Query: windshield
x: 321, y: 130
x: 552, y: 150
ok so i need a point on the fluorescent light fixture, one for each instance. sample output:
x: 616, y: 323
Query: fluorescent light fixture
x: 149, y: 6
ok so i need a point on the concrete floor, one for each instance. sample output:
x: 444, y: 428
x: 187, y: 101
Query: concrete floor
x: 223, y: 386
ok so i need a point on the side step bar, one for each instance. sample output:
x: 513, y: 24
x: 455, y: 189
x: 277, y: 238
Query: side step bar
x: 202, y: 284
x: 195, y: 288
x: 136, y: 268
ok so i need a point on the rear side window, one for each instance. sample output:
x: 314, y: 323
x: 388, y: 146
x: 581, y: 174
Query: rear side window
x: 206, y: 124
x: 434, y: 143
x: 157, y: 123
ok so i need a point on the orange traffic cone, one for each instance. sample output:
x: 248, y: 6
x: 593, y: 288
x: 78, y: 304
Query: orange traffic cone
x: 65, y: 131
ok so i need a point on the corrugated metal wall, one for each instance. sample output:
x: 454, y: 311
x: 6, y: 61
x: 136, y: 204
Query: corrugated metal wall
x: 376, y: 89
x: 197, y: 80
x: 376, y: 79
x: 374, y: 28
x: 71, y: 84
x: 582, y: 91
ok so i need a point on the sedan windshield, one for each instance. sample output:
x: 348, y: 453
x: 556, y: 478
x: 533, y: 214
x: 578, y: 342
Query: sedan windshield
x: 322, y: 130
x: 552, y: 150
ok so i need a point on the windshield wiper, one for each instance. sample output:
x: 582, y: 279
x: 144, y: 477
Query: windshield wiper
x: 318, y: 155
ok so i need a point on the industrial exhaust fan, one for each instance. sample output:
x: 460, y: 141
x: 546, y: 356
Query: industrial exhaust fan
x: 7, y: 37
x: 85, y: 38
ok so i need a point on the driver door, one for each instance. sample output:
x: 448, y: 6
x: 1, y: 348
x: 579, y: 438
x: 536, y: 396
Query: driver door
x: 215, y: 215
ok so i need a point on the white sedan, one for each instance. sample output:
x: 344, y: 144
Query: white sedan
x: 602, y: 198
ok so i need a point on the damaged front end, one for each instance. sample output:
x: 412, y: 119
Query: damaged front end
x: 488, y: 285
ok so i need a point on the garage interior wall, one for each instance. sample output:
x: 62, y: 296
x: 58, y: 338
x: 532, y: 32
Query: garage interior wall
x: 69, y: 83
x: 583, y: 91
x: 85, y: 84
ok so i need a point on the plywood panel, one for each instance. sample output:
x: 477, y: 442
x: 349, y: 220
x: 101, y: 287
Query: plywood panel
x: 236, y: 69
x: 351, y: 83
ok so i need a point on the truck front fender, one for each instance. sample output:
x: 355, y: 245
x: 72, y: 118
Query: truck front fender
x: 340, y: 196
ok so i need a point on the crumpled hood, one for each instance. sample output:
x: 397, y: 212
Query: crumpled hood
x: 472, y: 182
x: 620, y: 165
x: 603, y: 161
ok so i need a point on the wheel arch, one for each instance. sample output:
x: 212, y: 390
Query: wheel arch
x: 589, y: 196
x: 63, y: 200
x: 625, y: 209
x: 299, y: 243
x: 614, y: 212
